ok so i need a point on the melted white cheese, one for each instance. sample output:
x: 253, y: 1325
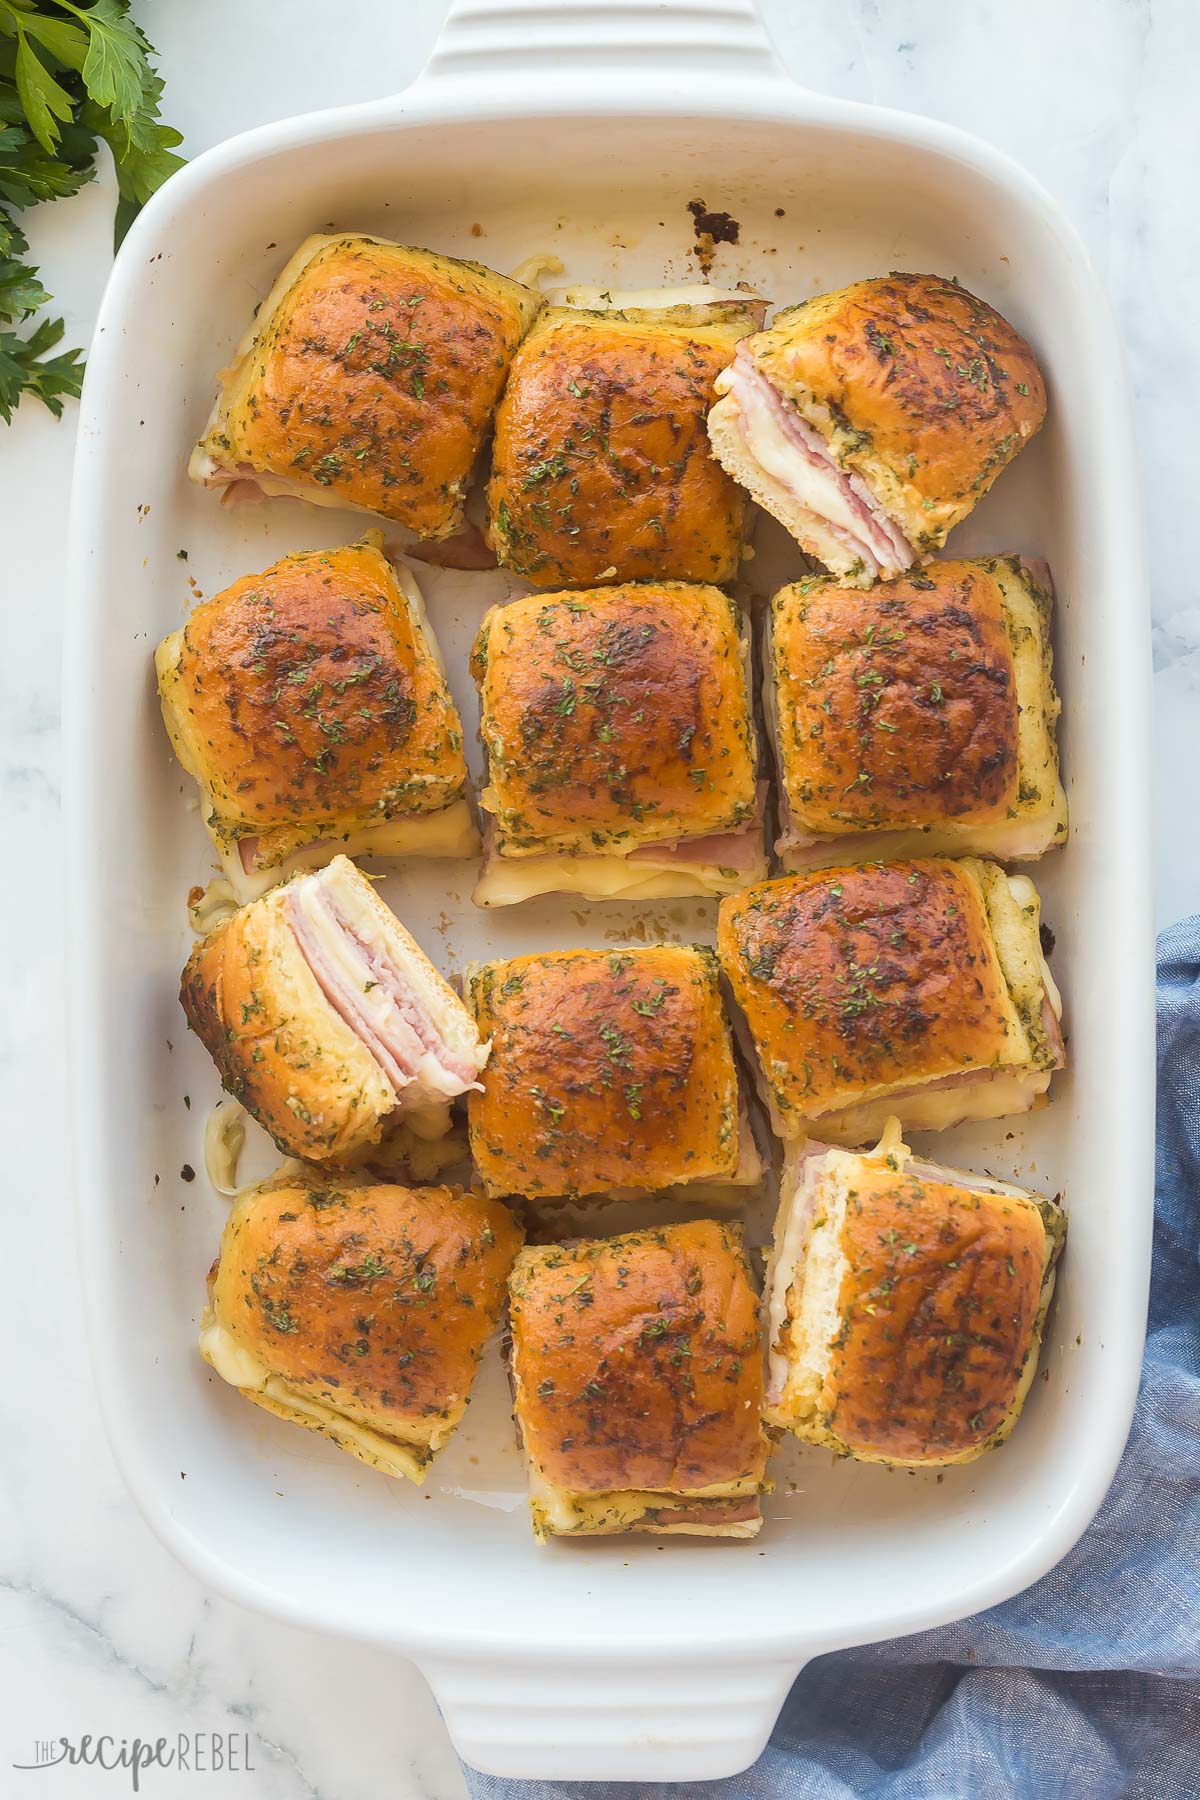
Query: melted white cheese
x: 1011, y: 840
x: 449, y: 833
x: 384, y: 935
x: 1030, y: 903
x: 251, y: 1377
x: 224, y: 1140
x: 804, y: 1300
x: 529, y: 272
x: 996, y: 1094
x: 556, y: 1510
x: 233, y: 1364
x: 506, y: 881
x: 818, y: 489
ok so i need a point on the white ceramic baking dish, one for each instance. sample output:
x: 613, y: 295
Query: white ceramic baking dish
x: 584, y: 129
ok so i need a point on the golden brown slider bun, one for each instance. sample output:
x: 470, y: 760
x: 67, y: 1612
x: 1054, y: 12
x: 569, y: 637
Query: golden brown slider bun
x: 326, y: 1019
x: 905, y: 1304
x: 917, y: 717
x: 637, y: 1383
x: 621, y: 747
x: 359, y: 1309
x: 913, y: 988
x: 368, y: 380
x: 871, y: 420
x: 610, y: 1071
x: 601, y: 466
x: 311, y: 705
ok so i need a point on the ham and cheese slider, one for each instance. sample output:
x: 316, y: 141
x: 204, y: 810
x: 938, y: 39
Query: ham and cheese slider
x: 636, y: 1366
x: 869, y: 421
x: 916, y: 718
x: 905, y: 1304
x: 601, y: 466
x: 358, y: 1309
x: 619, y: 734
x: 611, y: 1073
x: 311, y: 705
x: 367, y: 381
x: 917, y: 989
x: 327, y: 1021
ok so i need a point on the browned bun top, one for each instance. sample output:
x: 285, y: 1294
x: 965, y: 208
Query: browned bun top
x: 377, y: 376
x: 898, y: 706
x: 637, y: 1361
x: 920, y: 376
x: 856, y: 980
x: 616, y: 716
x: 314, y: 696
x: 608, y: 1069
x: 376, y: 1296
x: 938, y: 1309
x: 280, y: 1048
x: 601, y: 468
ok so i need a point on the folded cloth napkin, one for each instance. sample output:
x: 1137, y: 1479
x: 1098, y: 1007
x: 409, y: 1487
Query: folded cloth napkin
x: 1086, y: 1686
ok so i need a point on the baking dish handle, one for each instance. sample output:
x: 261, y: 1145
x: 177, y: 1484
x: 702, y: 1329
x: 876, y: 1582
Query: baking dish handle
x: 602, y: 40
x: 629, y: 1721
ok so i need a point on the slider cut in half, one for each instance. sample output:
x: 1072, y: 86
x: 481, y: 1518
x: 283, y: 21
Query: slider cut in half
x: 611, y: 1073
x: 637, y: 1384
x: 905, y: 1304
x: 870, y: 421
x: 359, y: 1310
x: 917, y: 717
x: 601, y: 466
x: 326, y: 1019
x: 311, y: 705
x: 620, y: 742
x: 916, y: 988
x: 367, y: 381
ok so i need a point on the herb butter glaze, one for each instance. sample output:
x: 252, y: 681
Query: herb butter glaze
x: 638, y: 1377
x: 601, y: 468
x: 309, y: 701
x: 371, y: 378
x: 609, y: 1069
x: 916, y: 384
x: 615, y: 717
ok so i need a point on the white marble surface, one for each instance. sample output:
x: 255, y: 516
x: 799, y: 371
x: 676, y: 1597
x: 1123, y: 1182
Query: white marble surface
x: 99, y: 1629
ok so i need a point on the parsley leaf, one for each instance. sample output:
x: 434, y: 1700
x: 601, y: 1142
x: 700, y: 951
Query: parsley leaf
x: 71, y: 76
x: 21, y: 371
x: 43, y: 100
x: 20, y: 290
x: 115, y: 67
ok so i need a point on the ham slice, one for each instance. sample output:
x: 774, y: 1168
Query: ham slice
x: 467, y: 549
x: 368, y: 990
x: 740, y: 849
x: 248, y: 848
x: 969, y: 1077
x: 1052, y: 1027
x: 802, y: 462
x: 241, y: 486
x: 240, y: 490
x: 728, y: 849
x: 961, y: 1078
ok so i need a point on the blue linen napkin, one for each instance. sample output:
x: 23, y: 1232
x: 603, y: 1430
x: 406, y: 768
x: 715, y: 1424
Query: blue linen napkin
x: 1086, y: 1686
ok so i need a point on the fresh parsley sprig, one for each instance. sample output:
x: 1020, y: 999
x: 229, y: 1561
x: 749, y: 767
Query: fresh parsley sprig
x: 70, y: 76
